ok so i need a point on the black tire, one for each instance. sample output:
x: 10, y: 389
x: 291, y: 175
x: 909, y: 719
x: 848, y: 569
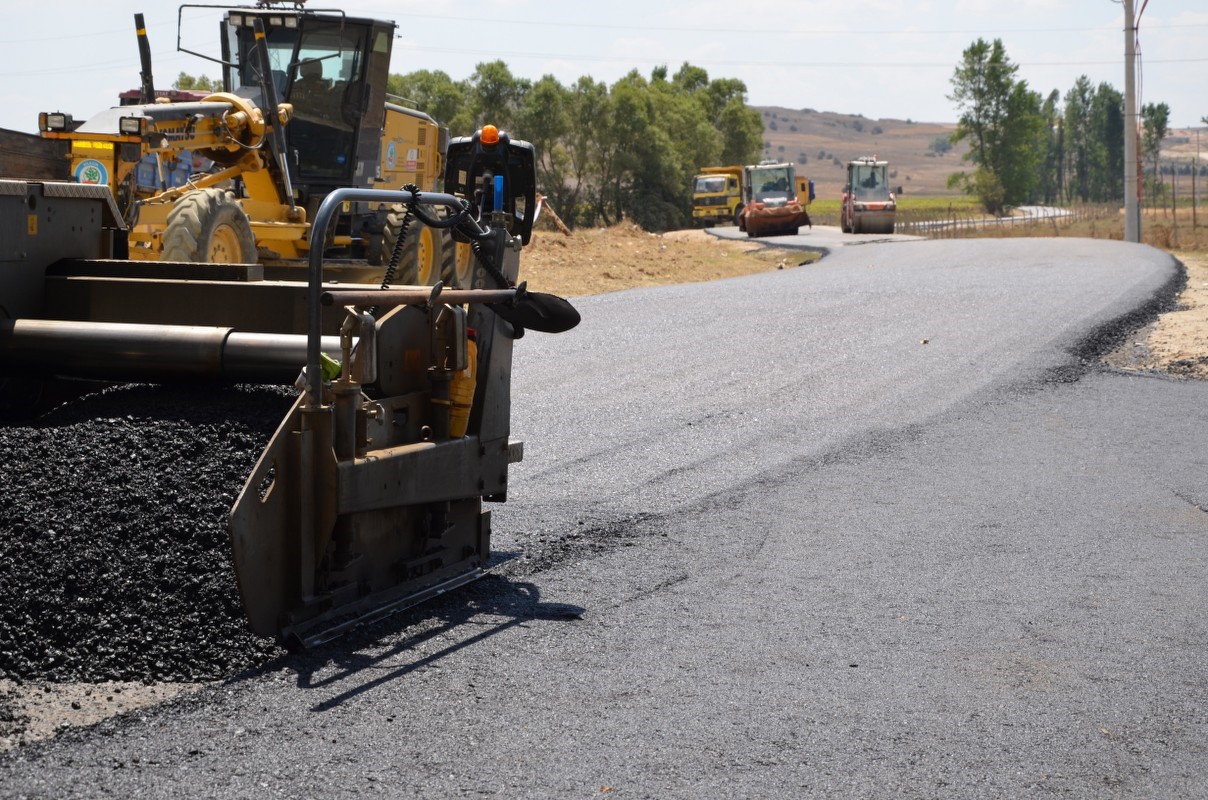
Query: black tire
x: 208, y: 226
x: 423, y: 259
x: 464, y: 261
x: 457, y: 263
x: 391, y: 228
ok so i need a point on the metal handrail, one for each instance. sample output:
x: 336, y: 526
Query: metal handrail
x: 318, y: 233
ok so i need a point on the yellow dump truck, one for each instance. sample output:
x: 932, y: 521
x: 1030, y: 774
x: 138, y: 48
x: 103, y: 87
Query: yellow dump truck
x: 717, y: 195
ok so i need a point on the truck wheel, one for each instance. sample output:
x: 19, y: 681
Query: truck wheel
x: 208, y: 226
x: 463, y: 264
x: 421, y: 261
x: 391, y: 228
x: 430, y: 246
x: 737, y: 214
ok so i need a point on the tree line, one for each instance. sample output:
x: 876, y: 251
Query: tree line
x: 605, y: 153
x: 1026, y: 148
x: 628, y: 150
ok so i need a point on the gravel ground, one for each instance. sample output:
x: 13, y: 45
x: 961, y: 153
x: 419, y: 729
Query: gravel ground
x: 113, y: 512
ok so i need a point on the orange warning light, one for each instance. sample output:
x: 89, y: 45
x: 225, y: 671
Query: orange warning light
x: 490, y: 134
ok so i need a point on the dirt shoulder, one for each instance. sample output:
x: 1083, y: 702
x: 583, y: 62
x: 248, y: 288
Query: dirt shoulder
x: 1177, y: 342
x: 599, y: 260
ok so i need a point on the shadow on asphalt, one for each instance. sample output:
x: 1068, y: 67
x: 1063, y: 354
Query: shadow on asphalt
x: 489, y: 606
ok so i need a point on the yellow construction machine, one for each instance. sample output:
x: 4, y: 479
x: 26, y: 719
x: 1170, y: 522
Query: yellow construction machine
x: 717, y: 195
x: 370, y: 496
x: 239, y: 175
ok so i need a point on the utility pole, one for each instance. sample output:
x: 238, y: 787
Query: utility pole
x: 1132, y: 210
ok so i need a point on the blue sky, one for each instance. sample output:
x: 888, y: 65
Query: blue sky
x: 879, y: 58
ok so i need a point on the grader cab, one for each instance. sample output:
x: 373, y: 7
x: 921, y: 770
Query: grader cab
x: 303, y: 111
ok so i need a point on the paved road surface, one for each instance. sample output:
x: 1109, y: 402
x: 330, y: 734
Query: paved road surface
x: 823, y: 238
x: 870, y: 528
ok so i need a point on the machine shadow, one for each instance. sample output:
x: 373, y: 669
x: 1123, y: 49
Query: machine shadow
x: 492, y: 604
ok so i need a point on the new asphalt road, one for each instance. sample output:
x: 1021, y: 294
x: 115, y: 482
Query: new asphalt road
x: 877, y: 527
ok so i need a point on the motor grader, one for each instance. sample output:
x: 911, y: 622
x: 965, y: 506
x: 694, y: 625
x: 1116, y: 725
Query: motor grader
x: 369, y: 497
x: 303, y: 111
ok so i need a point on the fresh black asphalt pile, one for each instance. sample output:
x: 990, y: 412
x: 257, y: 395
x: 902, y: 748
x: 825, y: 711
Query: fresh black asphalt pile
x: 114, y: 554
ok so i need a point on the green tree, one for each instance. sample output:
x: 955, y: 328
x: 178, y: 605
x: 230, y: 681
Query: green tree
x: 604, y: 153
x: 940, y: 145
x: 1003, y: 121
x: 589, y: 103
x: 1155, y: 124
x: 741, y: 130
x: 437, y: 95
x: 495, y: 95
x: 1107, y: 173
x: 690, y: 79
x: 683, y: 140
x: 623, y: 135
x: 1053, y: 169
x: 198, y: 83
x: 544, y: 120
x: 722, y: 92
x: 1081, y: 137
x: 980, y: 87
x: 725, y: 105
x: 1021, y: 152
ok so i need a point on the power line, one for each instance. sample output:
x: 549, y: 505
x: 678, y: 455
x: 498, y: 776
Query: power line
x: 727, y: 31
x: 578, y: 57
x: 779, y: 31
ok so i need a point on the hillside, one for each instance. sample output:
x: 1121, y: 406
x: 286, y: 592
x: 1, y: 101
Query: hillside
x: 823, y: 141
